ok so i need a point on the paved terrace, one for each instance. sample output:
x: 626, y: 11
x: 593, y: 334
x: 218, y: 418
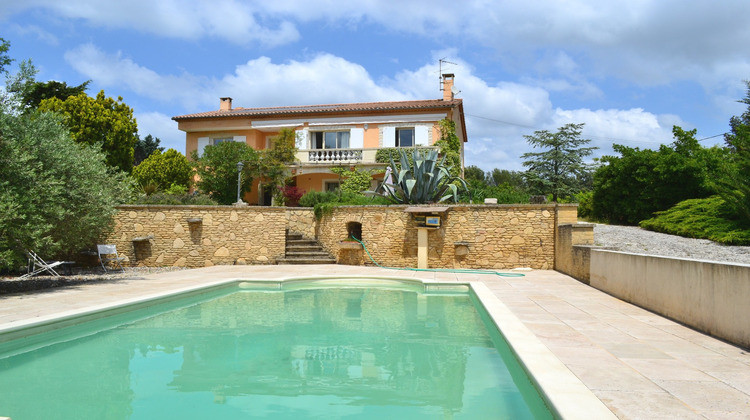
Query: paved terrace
x: 640, y: 365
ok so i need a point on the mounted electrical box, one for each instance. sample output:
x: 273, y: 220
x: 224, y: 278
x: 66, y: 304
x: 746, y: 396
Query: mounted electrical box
x: 432, y: 221
x: 427, y: 217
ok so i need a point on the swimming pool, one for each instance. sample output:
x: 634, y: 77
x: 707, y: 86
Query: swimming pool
x: 291, y: 350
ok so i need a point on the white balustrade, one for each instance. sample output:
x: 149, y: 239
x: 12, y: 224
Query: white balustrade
x: 334, y: 155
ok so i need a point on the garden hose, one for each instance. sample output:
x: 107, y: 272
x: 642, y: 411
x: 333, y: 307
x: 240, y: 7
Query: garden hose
x: 439, y: 270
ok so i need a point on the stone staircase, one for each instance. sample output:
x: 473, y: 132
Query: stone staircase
x: 300, y: 250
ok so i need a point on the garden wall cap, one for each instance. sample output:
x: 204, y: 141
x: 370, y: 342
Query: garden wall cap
x: 433, y: 209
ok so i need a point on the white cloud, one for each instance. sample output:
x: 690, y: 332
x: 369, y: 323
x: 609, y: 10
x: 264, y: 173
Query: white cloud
x: 231, y: 20
x: 162, y: 127
x: 114, y: 70
x: 497, y: 115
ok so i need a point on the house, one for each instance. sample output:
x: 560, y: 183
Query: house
x: 339, y: 135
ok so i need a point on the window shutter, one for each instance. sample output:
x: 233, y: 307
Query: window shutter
x: 240, y: 139
x: 357, y: 138
x: 421, y: 137
x: 389, y: 136
x: 202, y: 143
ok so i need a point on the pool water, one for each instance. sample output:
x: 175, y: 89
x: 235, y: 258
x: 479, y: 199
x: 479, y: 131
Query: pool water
x: 285, y: 354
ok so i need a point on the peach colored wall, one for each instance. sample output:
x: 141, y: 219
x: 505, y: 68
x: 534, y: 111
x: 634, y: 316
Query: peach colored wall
x: 314, y: 182
x: 372, y: 136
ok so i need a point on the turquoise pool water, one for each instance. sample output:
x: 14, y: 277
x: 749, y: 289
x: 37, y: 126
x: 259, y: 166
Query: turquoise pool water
x: 295, y: 353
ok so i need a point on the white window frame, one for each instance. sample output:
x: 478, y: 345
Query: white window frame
x: 397, y: 138
x: 313, y: 134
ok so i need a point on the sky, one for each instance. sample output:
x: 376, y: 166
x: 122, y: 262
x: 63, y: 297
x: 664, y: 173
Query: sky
x: 629, y: 70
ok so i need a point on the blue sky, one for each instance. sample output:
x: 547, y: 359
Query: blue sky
x: 629, y: 70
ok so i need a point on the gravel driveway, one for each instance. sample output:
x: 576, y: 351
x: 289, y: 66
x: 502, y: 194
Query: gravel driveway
x: 641, y: 241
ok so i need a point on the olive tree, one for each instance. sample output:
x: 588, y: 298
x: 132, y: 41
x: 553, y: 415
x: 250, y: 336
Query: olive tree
x: 56, y: 196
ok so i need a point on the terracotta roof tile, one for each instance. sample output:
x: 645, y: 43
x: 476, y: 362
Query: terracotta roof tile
x: 324, y: 109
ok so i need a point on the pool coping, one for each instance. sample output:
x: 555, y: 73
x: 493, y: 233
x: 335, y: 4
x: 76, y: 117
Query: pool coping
x: 565, y: 394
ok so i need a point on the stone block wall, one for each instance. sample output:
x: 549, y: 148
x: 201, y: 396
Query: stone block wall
x: 471, y: 236
x: 301, y: 220
x: 497, y: 236
x: 199, y: 236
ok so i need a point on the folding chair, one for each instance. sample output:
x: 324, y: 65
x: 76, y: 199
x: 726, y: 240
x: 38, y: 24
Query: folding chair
x: 38, y: 265
x: 108, y: 254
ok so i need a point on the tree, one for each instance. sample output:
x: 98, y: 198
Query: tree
x: 39, y: 91
x: 217, y: 170
x: 500, y: 177
x: 107, y: 123
x: 164, y: 169
x: 473, y: 173
x: 557, y: 169
x: 737, y: 121
x: 272, y: 168
x: 56, y: 196
x: 144, y: 147
x: 631, y: 187
x: 5, y: 60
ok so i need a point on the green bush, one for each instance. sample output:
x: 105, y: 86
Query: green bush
x: 311, y: 198
x: 705, y: 218
x: 177, y: 199
x: 585, y: 200
x: 164, y: 169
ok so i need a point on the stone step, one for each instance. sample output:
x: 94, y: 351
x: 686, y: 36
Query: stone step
x: 311, y: 254
x: 302, y: 250
x: 288, y: 260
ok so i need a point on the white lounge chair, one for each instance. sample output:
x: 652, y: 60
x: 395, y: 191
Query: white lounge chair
x: 108, y: 254
x: 37, y: 265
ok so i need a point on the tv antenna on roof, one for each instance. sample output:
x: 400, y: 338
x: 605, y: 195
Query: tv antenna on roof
x: 440, y: 67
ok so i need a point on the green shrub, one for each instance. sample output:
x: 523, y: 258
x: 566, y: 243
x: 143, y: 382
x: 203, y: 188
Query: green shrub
x: 164, y: 169
x: 311, y: 198
x: 177, y: 199
x: 585, y: 201
x: 705, y: 218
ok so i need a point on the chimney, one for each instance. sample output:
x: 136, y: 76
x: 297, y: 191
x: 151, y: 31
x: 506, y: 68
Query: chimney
x: 448, y: 86
x: 226, y: 104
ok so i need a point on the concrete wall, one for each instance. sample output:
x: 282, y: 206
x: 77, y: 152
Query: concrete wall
x: 571, y: 254
x: 711, y: 297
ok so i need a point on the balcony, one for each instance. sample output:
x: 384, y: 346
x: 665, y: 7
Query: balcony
x: 334, y: 156
x: 325, y: 157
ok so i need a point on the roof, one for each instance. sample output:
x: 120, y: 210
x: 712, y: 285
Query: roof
x: 325, y: 109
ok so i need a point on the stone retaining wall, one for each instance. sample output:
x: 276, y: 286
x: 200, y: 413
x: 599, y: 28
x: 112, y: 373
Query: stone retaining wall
x: 494, y: 236
x: 200, y: 236
x: 471, y: 236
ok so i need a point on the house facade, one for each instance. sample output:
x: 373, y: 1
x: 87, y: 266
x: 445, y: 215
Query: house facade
x: 327, y: 136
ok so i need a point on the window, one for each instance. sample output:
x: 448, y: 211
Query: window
x: 405, y: 137
x: 216, y: 141
x: 331, y: 186
x: 330, y: 140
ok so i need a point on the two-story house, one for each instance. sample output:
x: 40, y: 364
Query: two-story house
x: 346, y: 135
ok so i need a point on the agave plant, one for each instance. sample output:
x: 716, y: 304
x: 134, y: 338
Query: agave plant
x: 422, y: 180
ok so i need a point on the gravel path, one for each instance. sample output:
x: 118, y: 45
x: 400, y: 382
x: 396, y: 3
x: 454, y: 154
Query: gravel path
x: 641, y: 241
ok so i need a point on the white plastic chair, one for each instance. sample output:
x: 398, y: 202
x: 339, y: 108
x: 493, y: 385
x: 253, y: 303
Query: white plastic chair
x: 108, y: 254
